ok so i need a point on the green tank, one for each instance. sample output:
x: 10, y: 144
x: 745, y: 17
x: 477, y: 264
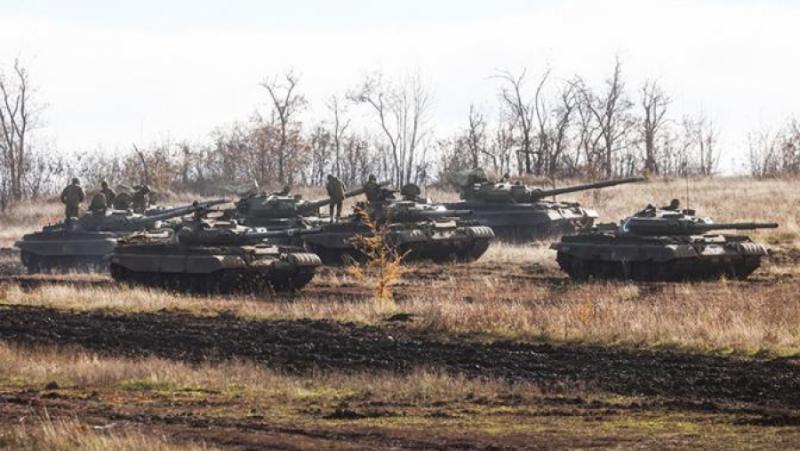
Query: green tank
x: 659, y: 244
x: 83, y: 244
x: 280, y: 210
x: 419, y: 230
x: 209, y: 256
x: 520, y: 213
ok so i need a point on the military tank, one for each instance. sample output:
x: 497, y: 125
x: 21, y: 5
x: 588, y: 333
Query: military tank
x: 519, y: 213
x: 209, y: 256
x: 418, y: 230
x: 659, y: 244
x: 280, y: 210
x: 82, y: 244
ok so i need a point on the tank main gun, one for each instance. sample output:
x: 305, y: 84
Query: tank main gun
x: 114, y: 221
x: 539, y: 194
x: 686, y: 226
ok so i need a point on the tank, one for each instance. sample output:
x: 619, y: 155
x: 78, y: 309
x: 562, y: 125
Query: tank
x: 280, y: 210
x: 662, y: 245
x: 419, y: 230
x: 83, y: 244
x: 519, y: 213
x: 208, y: 256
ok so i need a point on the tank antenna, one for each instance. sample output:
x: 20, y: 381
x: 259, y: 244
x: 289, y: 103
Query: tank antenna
x: 687, y: 189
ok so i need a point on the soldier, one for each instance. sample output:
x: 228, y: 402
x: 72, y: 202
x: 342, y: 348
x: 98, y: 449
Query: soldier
x: 122, y: 201
x: 108, y: 193
x: 141, y: 199
x: 674, y: 205
x: 99, y: 204
x: 72, y: 196
x: 372, y: 190
x: 335, y: 189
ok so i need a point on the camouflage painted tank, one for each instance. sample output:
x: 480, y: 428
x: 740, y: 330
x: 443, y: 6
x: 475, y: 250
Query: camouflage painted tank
x: 661, y: 244
x: 280, y: 210
x: 210, y: 256
x: 421, y: 231
x: 519, y: 213
x: 83, y: 244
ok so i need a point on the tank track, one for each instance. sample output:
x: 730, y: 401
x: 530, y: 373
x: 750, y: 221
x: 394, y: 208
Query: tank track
x: 227, y: 281
x: 36, y: 264
x: 669, y: 271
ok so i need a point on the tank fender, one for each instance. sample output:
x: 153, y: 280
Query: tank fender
x: 304, y: 259
x: 480, y: 232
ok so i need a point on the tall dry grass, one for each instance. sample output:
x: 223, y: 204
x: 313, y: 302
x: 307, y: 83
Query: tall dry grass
x: 71, y: 434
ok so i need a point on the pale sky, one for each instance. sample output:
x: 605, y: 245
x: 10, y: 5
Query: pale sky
x: 114, y: 73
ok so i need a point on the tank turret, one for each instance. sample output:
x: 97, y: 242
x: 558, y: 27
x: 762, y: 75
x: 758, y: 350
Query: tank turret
x: 519, y: 213
x: 280, y: 210
x: 519, y: 193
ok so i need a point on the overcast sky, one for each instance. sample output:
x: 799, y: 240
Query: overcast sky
x: 116, y: 72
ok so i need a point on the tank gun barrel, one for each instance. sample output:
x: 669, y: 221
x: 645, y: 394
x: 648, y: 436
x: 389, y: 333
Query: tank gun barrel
x: 658, y: 227
x: 571, y: 189
x: 733, y: 226
x: 316, y: 204
x: 284, y: 233
x: 194, y: 208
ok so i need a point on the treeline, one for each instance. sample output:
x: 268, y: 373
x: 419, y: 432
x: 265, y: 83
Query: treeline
x: 541, y: 126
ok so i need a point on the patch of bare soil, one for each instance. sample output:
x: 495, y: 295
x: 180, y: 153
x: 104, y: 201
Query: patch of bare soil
x: 297, y: 346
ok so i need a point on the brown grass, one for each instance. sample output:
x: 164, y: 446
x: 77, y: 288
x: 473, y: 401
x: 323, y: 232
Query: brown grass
x: 70, y: 434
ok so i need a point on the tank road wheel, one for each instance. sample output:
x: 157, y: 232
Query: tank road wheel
x: 576, y: 268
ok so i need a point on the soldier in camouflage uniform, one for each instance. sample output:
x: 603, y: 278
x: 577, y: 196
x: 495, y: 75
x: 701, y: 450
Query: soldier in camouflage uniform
x: 335, y: 189
x: 108, y: 193
x: 141, y: 199
x: 372, y: 190
x: 71, y: 197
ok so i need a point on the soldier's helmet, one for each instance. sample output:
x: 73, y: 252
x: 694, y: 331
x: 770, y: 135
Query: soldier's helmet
x: 76, y: 181
x: 104, y: 184
x: 372, y: 178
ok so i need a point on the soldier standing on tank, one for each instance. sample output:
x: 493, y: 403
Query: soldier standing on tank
x: 72, y: 196
x: 335, y: 189
x: 372, y: 190
x: 141, y: 199
x: 108, y: 193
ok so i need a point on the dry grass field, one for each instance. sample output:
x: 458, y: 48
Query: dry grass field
x: 503, y: 352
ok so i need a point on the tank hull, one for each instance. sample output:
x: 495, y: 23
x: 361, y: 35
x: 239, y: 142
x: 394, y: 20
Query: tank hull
x: 335, y: 244
x: 528, y: 222
x: 667, y: 258
x: 220, y: 269
x: 61, y: 251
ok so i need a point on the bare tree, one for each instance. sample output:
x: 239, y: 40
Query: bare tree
x: 476, y: 136
x: 559, y: 135
x: 16, y: 120
x: 610, y: 111
x: 402, y: 113
x: 654, y: 104
x: 521, y: 113
x: 286, y: 104
x: 340, y: 125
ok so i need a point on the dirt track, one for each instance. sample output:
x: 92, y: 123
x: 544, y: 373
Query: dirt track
x: 302, y: 345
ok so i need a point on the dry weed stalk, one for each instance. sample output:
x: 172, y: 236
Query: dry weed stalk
x: 383, y: 266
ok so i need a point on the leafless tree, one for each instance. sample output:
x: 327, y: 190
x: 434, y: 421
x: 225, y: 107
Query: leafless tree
x: 654, y: 104
x: 476, y: 136
x: 16, y: 120
x: 521, y: 112
x: 402, y: 112
x: 559, y: 135
x: 286, y: 103
x: 340, y: 125
x: 611, y: 112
